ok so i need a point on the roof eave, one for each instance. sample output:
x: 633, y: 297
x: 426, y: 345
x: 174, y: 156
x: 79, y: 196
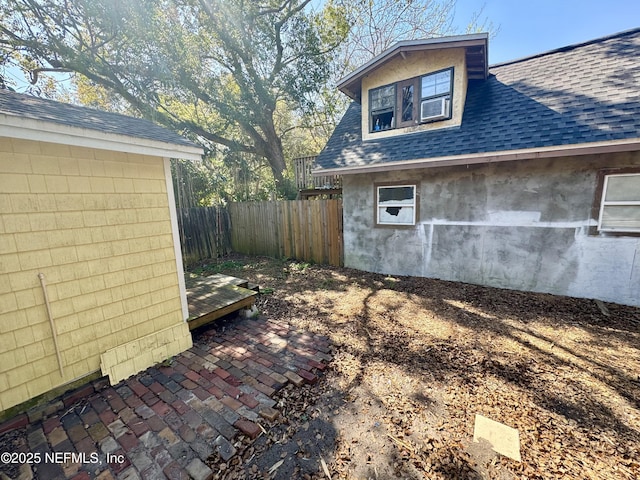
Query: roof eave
x: 592, y: 148
x: 43, y: 131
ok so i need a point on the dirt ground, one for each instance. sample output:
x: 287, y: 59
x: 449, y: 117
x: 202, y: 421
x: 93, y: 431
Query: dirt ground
x: 416, y: 359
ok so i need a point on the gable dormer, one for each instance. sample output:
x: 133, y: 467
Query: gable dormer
x: 417, y: 85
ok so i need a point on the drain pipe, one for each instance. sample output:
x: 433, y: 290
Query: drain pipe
x: 53, y: 327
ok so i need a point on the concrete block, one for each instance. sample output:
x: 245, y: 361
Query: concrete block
x: 501, y: 438
x: 224, y: 448
x: 250, y: 312
x: 197, y: 470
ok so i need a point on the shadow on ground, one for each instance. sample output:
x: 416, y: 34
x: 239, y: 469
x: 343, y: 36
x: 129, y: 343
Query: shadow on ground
x: 416, y: 359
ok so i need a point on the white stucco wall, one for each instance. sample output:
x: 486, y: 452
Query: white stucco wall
x: 522, y: 225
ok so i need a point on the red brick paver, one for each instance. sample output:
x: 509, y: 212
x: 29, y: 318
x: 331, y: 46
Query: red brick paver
x: 146, y: 426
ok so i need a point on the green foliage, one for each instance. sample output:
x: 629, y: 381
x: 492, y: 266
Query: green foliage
x: 299, y: 266
x: 219, y: 71
x: 252, y: 81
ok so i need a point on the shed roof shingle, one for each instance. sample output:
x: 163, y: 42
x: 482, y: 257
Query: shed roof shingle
x: 574, y: 95
x: 35, y: 108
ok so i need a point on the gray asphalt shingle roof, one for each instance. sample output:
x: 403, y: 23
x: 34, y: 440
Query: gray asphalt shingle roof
x: 35, y: 108
x: 578, y: 94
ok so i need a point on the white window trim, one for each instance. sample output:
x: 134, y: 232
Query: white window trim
x: 604, y: 204
x: 413, y: 205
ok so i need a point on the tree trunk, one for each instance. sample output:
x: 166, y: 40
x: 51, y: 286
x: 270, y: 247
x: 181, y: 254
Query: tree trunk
x: 271, y: 149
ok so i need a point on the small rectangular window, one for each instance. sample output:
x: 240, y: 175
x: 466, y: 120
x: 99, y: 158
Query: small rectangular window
x: 620, y: 206
x: 382, y: 105
x: 396, y: 205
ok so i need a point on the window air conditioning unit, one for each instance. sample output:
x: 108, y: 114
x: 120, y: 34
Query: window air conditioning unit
x: 433, y: 109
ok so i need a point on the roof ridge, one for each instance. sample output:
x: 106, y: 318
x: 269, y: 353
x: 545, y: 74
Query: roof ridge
x: 567, y: 48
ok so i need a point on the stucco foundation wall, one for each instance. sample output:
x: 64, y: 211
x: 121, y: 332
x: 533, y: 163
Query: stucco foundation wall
x: 519, y: 225
x: 97, y: 225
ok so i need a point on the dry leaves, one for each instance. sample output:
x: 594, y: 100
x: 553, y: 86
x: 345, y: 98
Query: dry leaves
x: 416, y: 359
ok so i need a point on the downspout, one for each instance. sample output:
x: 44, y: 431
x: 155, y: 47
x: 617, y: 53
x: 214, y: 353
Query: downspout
x: 53, y: 327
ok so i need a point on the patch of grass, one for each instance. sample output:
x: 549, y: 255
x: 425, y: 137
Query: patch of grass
x: 300, y: 266
x: 168, y: 362
x: 390, y: 282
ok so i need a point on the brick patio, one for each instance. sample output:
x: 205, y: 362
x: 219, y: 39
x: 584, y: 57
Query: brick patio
x: 166, y: 421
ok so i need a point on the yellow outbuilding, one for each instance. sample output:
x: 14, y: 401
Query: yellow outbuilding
x: 91, y: 276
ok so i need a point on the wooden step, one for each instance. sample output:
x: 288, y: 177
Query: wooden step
x: 215, y: 296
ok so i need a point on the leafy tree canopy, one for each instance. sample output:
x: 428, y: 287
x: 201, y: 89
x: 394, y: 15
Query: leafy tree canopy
x: 216, y: 70
x: 253, y: 81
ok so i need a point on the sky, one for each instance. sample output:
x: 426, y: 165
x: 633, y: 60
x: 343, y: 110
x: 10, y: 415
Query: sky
x: 528, y: 27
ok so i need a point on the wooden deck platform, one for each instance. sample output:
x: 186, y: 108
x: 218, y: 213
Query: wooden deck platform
x: 212, y: 297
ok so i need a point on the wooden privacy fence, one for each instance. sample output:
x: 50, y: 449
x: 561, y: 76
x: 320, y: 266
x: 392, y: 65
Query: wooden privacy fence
x: 309, y: 230
x: 205, y: 232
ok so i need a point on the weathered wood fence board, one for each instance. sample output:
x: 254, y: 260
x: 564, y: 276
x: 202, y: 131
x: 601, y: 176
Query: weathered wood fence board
x: 300, y: 229
x: 205, y: 232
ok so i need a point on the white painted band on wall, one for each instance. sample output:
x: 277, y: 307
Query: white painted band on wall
x: 513, y: 224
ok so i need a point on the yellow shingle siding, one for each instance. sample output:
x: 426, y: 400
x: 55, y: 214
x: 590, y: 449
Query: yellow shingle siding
x: 97, y: 225
x: 120, y: 362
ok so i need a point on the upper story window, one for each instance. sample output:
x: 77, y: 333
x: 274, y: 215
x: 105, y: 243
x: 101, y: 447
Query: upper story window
x: 620, y: 204
x: 435, y: 99
x: 409, y: 102
x: 382, y: 106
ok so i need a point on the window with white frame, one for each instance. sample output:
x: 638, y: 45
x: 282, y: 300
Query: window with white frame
x: 620, y: 205
x: 396, y: 205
